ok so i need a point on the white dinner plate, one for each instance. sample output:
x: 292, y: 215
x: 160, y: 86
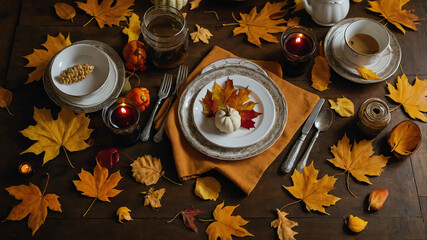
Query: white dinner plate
x: 242, y: 137
x: 190, y: 97
x: 234, y: 62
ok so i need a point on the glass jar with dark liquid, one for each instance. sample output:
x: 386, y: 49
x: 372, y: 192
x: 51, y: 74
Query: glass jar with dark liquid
x: 165, y: 34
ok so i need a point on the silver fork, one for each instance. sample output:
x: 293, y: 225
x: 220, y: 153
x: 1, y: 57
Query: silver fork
x: 163, y: 93
x: 180, y: 80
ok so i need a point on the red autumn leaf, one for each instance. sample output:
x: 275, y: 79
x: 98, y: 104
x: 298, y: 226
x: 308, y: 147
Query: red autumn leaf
x: 238, y: 99
x: 108, y: 158
x: 188, y: 217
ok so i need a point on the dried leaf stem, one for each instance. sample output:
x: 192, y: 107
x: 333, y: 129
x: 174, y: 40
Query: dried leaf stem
x: 90, y: 206
x: 206, y: 220
x: 290, y: 204
x: 88, y: 22
x: 6, y: 108
x: 170, y: 180
x: 68, y: 159
x: 348, y: 186
x: 174, y: 217
x: 216, y: 14
x: 47, y: 183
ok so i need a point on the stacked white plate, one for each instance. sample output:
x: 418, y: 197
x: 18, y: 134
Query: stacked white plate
x: 333, y: 49
x: 201, y: 131
x: 92, y: 100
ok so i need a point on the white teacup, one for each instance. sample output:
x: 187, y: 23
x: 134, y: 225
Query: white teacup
x: 375, y: 32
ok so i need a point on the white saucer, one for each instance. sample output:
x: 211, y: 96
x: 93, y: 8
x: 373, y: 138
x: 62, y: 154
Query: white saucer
x: 233, y: 62
x: 242, y: 137
x: 384, y: 69
x: 378, y: 67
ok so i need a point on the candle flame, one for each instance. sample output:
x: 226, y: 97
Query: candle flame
x: 25, y: 168
x: 123, y: 110
x: 298, y: 40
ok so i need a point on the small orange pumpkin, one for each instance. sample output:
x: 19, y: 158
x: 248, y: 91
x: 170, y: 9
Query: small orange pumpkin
x: 135, y: 55
x: 141, y: 96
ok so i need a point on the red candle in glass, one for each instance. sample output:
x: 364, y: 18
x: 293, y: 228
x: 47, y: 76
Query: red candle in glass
x: 124, y: 116
x: 25, y: 169
x: 298, y: 44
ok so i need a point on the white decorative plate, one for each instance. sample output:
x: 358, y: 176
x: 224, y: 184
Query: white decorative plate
x: 233, y: 62
x: 189, y: 99
x: 242, y: 137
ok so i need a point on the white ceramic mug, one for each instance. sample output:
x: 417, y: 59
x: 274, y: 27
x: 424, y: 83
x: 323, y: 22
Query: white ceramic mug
x: 371, y: 28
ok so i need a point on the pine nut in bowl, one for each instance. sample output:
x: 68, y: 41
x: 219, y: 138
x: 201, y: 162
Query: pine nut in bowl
x: 80, y: 70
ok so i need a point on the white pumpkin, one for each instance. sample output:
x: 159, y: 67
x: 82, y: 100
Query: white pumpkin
x: 227, y: 119
x: 178, y: 4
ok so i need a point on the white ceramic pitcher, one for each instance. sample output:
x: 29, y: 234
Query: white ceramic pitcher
x: 327, y: 12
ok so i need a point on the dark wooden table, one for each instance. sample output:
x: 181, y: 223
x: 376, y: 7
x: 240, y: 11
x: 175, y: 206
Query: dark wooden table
x: 25, y: 25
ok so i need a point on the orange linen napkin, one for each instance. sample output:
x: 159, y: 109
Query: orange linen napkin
x: 244, y: 173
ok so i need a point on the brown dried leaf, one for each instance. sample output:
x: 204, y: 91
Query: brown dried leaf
x: 201, y: 34
x: 5, y: 99
x: 152, y: 197
x: 194, y: 4
x: 147, y: 169
x: 65, y: 11
x: 188, y: 216
x: 405, y: 138
x: 284, y: 226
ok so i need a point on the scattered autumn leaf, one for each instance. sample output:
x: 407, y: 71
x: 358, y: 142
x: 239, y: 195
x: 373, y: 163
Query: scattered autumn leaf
x: 293, y: 21
x: 405, y: 138
x: 220, y: 97
x: 356, y: 224
x: 5, y: 99
x: 201, y: 34
x: 344, y: 106
x: 226, y: 225
x: 147, y: 170
x: 188, y: 216
x: 367, y: 74
x: 207, y: 188
x: 259, y: 25
x: 65, y: 11
x: 40, y: 58
x: 357, y: 160
x: 312, y: 191
x: 321, y: 73
x: 99, y: 185
x: 34, y: 202
x: 134, y: 29
x: 357, y: 1
x: 298, y: 6
x: 124, y: 213
x: 284, y: 226
x: 392, y: 11
x: 412, y: 98
x: 194, y: 4
x: 377, y: 199
x: 152, y: 197
x: 69, y: 131
x: 105, y: 13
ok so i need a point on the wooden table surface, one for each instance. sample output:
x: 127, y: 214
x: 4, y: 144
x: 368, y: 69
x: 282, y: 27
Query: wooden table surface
x: 25, y: 25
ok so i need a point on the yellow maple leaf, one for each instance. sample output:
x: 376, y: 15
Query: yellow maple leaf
x: 284, y: 226
x: 392, y: 11
x: 40, y: 58
x: 226, y: 225
x: 298, y: 6
x: 105, y: 14
x: 312, y: 191
x: 321, y: 73
x: 344, y: 106
x: 134, y: 29
x: 5, y: 99
x: 201, y: 34
x: 293, y: 21
x: 99, y: 185
x: 65, y: 11
x: 68, y: 131
x: 359, y: 160
x: 152, y: 197
x: 34, y: 202
x: 124, y: 213
x: 194, y: 4
x: 367, y: 74
x: 259, y: 25
x: 207, y: 188
x: 413, y: 98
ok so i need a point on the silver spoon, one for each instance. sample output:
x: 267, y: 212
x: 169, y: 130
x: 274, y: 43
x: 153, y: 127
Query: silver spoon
x: 322, y: 123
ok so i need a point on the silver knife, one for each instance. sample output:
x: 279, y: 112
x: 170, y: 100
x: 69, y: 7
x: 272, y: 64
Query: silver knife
x: 288, y: 164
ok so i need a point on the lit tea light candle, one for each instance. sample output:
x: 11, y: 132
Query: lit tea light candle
x: 122, y: 117
x: 299, y: 45
x: 25, y: 169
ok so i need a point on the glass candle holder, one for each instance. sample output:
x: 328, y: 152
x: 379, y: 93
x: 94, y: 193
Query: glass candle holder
x: 166, y: 36
x: 121, y: 115
x: 25, y: 169
x: 298, y: 46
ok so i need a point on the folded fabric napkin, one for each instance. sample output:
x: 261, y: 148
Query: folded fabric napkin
x: 245, y: 173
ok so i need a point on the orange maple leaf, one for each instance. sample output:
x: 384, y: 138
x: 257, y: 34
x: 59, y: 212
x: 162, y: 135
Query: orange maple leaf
x: 220, y: 97
x: 99, y: 185
x: 40, y: 58
x: 321, y: 73
x: 105, y: 14
x: 392, y: 11
x: 312, y: 191
x: 33, y: 203
x: 413, y: 98
x: 226, y: 225
x: 358, y: 160
x: 259, y: 25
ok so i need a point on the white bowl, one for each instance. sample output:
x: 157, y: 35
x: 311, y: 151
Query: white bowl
x: 80, y: 54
